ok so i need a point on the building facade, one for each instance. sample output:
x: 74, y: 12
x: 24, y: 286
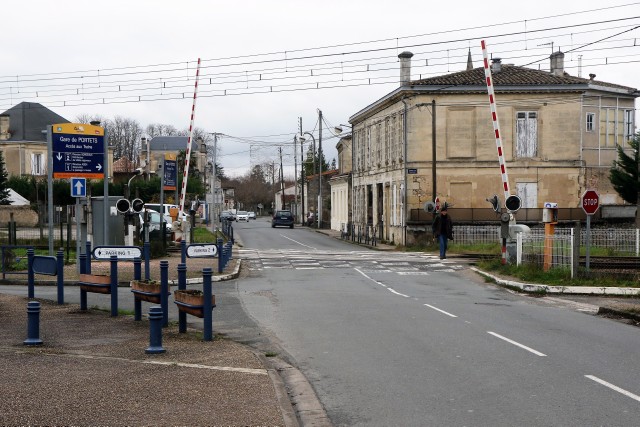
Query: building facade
x: 434, y: 137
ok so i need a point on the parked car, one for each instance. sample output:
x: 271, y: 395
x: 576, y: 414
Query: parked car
x: 154, y: 224
x: 252, y: 215
x: 227, y: 216
x: 242, y: 216
x: 282, y: 218
x: 166, y: 210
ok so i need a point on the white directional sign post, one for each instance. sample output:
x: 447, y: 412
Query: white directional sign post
x: 124, y: 253
x: 202, y: 251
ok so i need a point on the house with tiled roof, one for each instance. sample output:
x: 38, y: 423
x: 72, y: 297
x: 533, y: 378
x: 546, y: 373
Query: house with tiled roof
x: 434, y: 137
x: 23, y: 138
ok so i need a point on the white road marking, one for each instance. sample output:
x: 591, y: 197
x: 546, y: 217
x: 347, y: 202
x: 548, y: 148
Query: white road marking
x: 295, y: 241
x: 614, y: 387
x: 441, y: 311
x: 381, y: 284
x: 536, y: 352
x: 398, y: 293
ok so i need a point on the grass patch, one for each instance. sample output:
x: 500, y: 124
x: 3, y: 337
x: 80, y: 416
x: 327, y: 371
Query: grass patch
x: 204, y: 235
x: 554, y: 277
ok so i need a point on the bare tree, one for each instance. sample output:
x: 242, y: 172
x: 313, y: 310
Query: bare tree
x: 125, y: 135
x: 159, y: 129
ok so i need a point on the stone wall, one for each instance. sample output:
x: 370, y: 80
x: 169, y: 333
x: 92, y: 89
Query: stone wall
x: 22, y: 215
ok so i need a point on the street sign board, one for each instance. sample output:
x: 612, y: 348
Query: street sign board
x: 590, y: 202
x: 78, y: 187
x: 122, y: 252
x: 45, y: 265
x: 170, y: 172
x: 412, y: 171
x: 77, y: 150
x: 202, y: 250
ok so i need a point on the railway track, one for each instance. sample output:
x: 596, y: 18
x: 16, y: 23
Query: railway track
x: 611, y: 263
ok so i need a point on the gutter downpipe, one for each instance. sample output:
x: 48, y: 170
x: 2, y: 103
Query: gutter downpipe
x: 404, y: 172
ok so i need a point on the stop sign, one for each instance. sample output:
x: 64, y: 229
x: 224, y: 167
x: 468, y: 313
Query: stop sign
x: 590, y: 202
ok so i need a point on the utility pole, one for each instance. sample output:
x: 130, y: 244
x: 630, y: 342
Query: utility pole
x: 295, y: 174
x: 215, y: 178
x: 301, y: 170
x: 281, y: 179
x: 319, y: 168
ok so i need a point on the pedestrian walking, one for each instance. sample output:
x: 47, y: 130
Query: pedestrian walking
x: 443, y: 230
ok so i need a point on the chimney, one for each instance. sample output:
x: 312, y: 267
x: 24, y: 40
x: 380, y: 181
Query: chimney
x: 405, y: 67
x: 557, y: 63
x: 496, y: 65
x: 4, y: 127
x: 592, y: 76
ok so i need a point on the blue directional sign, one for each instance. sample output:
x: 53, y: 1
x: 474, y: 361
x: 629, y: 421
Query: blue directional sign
x: 170, y: 172
x: 77, y: 150
x: 78, y: 187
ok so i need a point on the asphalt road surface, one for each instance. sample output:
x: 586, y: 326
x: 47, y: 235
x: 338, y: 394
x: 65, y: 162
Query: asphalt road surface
x: 389, y: 338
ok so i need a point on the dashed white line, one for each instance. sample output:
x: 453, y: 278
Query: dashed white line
x: 382, y: 284
x: 295, y: 241
x: 536, y: 352
x: 614, y: 387
x: 441, y: 311
x: 398, y: 293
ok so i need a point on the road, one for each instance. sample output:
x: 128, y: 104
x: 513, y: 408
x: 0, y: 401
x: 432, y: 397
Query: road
x: 405, y: 339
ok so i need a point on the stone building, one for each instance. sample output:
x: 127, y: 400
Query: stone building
x: 559, y: 135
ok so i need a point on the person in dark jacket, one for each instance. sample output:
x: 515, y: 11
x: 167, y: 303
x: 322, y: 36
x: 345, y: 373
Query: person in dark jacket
x: 443, y: 230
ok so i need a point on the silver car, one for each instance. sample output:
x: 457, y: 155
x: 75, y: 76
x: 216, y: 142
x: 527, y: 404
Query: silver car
x: 242, y: 216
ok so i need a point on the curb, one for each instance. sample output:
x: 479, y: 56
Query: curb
x: 567, y: 290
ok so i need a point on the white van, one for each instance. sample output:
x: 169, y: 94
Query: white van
x: 166, y: 211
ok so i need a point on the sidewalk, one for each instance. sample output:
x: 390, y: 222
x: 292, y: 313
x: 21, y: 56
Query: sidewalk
x: 92, y: 369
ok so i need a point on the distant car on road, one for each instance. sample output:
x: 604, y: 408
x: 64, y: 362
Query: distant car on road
x: 252, y: 215
x: 227, y: 216
x: 242, y: 216
x: 282, y: 218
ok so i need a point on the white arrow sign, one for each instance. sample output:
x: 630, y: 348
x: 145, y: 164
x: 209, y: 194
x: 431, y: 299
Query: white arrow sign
x: 122, y: 252
x: 99, y: 166
x: 59, y: 156
x: 202, y: 251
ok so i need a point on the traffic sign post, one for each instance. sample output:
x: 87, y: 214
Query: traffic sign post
x: 123, y: 253
x: 77, y: 150
x: 590, y: 203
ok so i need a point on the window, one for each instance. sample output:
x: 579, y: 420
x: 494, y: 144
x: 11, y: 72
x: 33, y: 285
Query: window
x: 37, y: 164
x: 526, y: 133
x: 628, y: 125
x: 590, y: 122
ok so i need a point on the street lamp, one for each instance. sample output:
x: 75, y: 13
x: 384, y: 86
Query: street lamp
x: 314, y: 170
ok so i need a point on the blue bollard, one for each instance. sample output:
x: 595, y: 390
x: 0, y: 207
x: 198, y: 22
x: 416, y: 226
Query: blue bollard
x: 88, y: 253
x: 183, y: 251
x: 182, y: 284
x: 60, y: 282
x: 30, y: 274
x: 164, y: 290
x: 137, y: 303
x: 137, y: 269
x: 33, y: 325
x: 206, y: 305
x: 220, y: 246
x: 83, y: 294
x: 155, y: 331
x: 146, y: 249
x: 114, y: 286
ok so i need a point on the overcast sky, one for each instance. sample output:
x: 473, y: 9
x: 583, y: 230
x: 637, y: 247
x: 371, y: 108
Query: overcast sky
x: 264, y: 63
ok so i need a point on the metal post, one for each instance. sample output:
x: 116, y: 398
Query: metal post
x: 49, y: 184
x: 114, y: 286
x: 60, y: 281
x: 588, y: 242
x: 33, y: 324
x: 164, y: 290
x: 105, y: 190
x: 183, y: 251
x: 78, y: 244
x: 155, y: 331
x: 206, y: 306
x: 30, y: 275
